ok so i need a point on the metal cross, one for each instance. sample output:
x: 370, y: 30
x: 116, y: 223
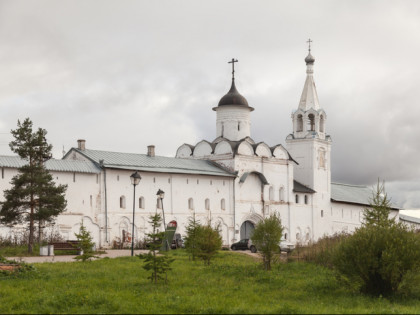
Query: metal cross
x: 233, y: 67
x: 309, y: 41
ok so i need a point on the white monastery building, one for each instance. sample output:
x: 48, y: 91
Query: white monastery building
x: 231, y: 180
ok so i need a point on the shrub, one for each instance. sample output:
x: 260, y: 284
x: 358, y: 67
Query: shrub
x: 86, y: 245
x: 379, y: 255
x: 266, y: 237
x: 377, y: 258
x: 208, y: 242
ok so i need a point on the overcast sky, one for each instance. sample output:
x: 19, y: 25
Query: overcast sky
x: 126, y: 74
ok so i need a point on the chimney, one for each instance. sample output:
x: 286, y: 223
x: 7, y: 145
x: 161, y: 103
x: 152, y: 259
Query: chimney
x: 151, y: 150
x: 81, y: 144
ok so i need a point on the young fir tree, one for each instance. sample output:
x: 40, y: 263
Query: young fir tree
x: 158, y: 264
x: 85, y: 244
x: 33, y: 197
x: 266, y: 237
x: 377, y: 214
x: 192, y: 236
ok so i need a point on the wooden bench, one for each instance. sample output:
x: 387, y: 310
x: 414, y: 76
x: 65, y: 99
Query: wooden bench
x: 67, y: 245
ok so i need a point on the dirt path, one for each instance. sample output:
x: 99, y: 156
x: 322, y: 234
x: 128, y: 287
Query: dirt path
x: 111, y: 253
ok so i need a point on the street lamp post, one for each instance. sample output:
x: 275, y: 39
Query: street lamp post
x: 135, y: 180
x: 161, y: 195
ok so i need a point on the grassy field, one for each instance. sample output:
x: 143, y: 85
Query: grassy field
x: 234, y: 283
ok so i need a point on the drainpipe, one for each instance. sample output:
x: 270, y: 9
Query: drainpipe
x: 101, y: 162
x: 288, y: 201
x: 234, y: 211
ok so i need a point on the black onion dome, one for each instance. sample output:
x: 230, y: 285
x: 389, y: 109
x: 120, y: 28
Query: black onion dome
x: 309, y: 59
x: 233, y: 97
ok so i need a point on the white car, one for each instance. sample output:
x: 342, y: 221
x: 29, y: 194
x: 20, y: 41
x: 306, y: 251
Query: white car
x: 284, y: 246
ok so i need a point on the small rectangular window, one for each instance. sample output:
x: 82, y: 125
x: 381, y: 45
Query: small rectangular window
x: 169, y: 180
x: 198, y: 182
x: 2, y: 172
x: 211, y: 182
x: 91, y: 200
x: 74, y: 177
x: 154, y: 179
x: 97, y: 178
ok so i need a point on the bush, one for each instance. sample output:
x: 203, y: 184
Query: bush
x: 377, y: 258
x: 208, y: 242
x: 266, y: 237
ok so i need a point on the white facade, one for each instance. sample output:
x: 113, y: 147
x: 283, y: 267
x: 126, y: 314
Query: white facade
x: 231, y: 181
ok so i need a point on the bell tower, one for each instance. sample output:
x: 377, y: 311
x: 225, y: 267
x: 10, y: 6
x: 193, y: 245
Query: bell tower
x: 309, y: 143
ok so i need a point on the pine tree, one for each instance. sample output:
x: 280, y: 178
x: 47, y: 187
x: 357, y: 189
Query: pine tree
x: 85, y: 243
x: 191, y: 237
x: 158, y: 264
x: 209, y: 242
x: 377, y: 214
x: 34, y: 197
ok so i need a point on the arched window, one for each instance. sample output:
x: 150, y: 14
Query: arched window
x: 122, y: 202
x: 285, y: 236
x: 297, y: 198
x: 207, y: 204
x: 322, y: 213
x: 321, y: 123
x: 306, y: 199
x: 141, y: 202
x: 271, y: 193
x: 311, y: 122
x: 281, y: 194
x: 299, y: 126
x: 191, y: 204
x: 222, y: 204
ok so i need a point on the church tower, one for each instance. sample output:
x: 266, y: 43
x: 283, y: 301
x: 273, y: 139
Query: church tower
x: 309, y: 144
x: 233, y: 120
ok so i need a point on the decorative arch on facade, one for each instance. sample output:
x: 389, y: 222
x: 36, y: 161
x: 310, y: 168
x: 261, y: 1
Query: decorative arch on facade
x: 223, y: 147
x: 191, y: 204
x: 142, y: 204
x: 185, y: 150
x: 245, y: 148
x: 263, y: 150
x: 207, y: 204
x: 322, y: 161
x: 252, y: 217
x: 285, y: 235
x: 203, y: 148
x: 280, y: 153
x: 260, y: 175
x: 271, y: 193
x: 281, y: 194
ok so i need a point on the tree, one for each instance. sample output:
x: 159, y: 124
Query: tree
x: 208, y: 242
x: 86, y: 244
x: 191, y: 237
x: 33, y: 197
x: 378, y: 212
x: 379, y: 255
x: 158, y: 264
x: 266, y: 237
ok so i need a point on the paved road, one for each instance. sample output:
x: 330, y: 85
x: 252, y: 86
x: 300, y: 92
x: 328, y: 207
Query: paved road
x: 111, y: 253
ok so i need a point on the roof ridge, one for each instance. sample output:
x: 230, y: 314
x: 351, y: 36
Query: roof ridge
x: 350, y: 185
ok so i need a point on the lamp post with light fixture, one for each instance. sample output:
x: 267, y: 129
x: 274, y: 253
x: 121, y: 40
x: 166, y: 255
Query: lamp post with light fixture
x: 135, y: 180
x: 161, y: 195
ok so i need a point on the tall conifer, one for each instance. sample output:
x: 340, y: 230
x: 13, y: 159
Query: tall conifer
x: 33, y: 197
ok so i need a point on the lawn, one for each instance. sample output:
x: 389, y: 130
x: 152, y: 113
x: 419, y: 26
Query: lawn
x: 233, y: 283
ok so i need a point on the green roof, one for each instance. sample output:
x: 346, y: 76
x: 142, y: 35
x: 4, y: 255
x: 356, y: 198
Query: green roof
x: 351, y: 193
x: 161, y: 164
x: 53, y: 165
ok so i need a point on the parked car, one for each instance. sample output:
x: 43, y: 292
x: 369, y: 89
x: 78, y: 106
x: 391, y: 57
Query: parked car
x: 284, y: 246
x: 177, y: 242
x: 242, y: 244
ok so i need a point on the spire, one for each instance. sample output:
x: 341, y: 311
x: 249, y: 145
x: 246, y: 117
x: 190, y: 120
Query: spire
x: 309, y: 98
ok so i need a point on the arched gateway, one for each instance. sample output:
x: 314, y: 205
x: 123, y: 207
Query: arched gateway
x: 246, y: 229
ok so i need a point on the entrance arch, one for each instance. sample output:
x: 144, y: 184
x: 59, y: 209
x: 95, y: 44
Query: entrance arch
x: 246, y: 229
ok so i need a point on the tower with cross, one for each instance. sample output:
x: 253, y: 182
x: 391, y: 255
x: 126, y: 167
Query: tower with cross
x: 309, y: 143
x: 233, y: 120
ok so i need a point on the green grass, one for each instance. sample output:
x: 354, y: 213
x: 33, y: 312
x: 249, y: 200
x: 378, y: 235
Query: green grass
x: 233, y: 283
